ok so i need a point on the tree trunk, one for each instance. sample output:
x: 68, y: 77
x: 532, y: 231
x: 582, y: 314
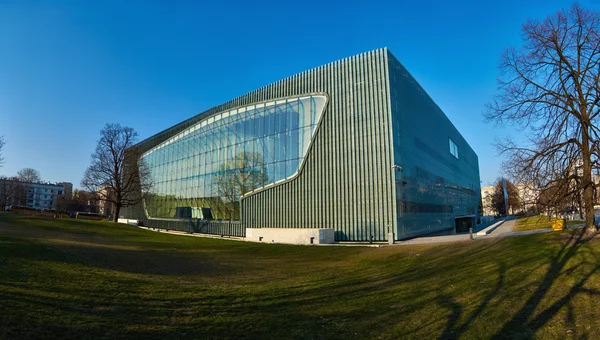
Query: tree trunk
x: 581, y: 206
x: 117, y: 212
x: 588, y: 194
x: 589, y: 210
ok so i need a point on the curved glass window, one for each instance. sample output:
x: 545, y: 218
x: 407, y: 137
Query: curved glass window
x: 229, y: 154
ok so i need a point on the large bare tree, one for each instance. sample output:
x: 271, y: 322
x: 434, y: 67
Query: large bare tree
x: 549, y: 88
x: 117, y: 174
x: 29, y: 175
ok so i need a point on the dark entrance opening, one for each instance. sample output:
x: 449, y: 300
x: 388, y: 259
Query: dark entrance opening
x: 463, y: 224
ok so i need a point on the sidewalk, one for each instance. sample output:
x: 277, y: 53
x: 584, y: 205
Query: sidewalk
x: 438, y: 239
x: 505, y: 229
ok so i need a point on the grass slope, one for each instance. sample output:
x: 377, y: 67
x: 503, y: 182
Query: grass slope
x: 538, y: 222
x: 83, y: 279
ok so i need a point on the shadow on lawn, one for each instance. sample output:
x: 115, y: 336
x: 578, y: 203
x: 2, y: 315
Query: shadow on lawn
x: 523, y: 324
x: 378, y: 289
x: 148, y: 262
x: 451, y: 330
x: 127, y: 261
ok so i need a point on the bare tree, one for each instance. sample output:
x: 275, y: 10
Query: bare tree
x: 12, y: 191
x: 62, y: 205
x: 238, y: 176
x: 29, y: 175
x: 5, y: 191
x: 78, y: 201
x: 117, y: 174
x: 550, y: 89
x: 2, y: 142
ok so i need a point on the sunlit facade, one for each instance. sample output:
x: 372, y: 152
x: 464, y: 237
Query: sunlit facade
x: 356, y: 146
x: 231, y: 154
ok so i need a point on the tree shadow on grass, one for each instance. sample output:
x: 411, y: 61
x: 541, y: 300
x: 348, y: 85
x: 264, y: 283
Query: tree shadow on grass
x: 358, y: 296
x: 523, y: 323
x: 451, y: 330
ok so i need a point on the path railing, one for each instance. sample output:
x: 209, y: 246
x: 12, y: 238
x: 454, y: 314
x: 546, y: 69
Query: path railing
x: 213, y: 227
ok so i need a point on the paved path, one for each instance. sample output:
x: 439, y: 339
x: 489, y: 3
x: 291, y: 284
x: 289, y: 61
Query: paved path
x: 504, y: 230
x: 436, y: 239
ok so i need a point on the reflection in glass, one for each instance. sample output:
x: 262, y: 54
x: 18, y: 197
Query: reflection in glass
x: 231, y: 153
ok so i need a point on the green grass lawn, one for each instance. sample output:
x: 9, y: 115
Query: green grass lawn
x: 69, y: 279
x: 534, y: 222
x: 538, y: 222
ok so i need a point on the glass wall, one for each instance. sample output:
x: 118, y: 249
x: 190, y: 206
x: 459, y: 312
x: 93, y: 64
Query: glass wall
x: 440, y: 177
x: 229, y: 154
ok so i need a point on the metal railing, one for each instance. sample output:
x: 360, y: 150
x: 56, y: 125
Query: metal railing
x: 224, y: 228
x: 212, y: 227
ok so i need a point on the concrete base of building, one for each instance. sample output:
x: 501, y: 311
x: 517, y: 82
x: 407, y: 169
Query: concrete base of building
x: 128, y: 221
x: 290, y: 235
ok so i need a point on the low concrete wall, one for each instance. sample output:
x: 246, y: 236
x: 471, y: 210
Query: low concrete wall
x: 290, y: 235
x: 127, y: 221
x: 491, y: 228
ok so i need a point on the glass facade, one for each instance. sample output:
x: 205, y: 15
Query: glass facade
x: 229, y: 154
x: 440, y: 177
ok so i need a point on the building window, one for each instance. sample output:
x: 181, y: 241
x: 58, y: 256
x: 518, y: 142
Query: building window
x: 453, y: 148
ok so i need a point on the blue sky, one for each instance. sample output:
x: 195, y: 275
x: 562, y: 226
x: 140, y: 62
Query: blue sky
x: 67, y: 68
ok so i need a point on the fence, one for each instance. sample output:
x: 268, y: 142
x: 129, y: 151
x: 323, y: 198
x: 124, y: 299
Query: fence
x: 223, y: 228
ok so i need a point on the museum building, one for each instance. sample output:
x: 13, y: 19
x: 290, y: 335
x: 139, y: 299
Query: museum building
x: 356, y: 146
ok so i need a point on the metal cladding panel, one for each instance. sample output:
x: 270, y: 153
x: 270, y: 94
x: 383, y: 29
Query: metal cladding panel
x: 346, y: 180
